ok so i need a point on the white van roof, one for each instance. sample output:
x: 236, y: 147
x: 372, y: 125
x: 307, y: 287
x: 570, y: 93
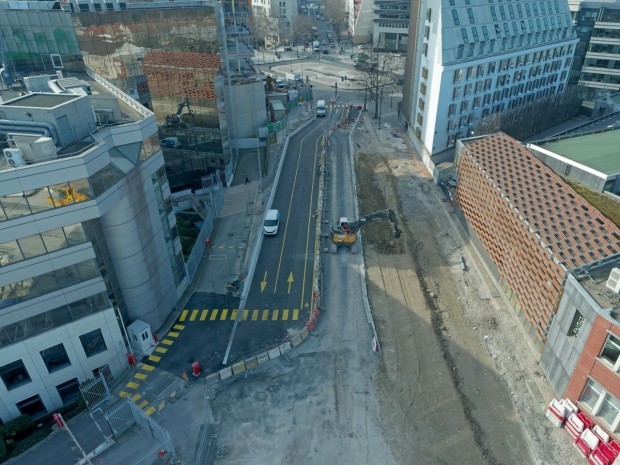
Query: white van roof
x: 272, y: 214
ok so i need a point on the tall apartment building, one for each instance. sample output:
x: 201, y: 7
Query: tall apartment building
x: 471, y: 58
x: 361, y: 16
x: 597, y: 57
x: 391, y: 24
x: 87, y: 233
x: 531, y: 227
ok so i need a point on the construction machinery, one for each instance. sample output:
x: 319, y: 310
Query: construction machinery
x: 345, y: 233
x: 65, y: 195
x: 176, y: 119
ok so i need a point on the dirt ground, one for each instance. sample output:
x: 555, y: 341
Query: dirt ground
x: 457, y: 378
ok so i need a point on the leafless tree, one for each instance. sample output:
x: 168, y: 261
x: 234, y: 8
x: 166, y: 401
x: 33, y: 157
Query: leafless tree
x: 335, y: 12
x: 265, y: 28
x: 302, y: 27
x: 375, y: 72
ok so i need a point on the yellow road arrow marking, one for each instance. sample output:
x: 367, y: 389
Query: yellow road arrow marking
x: 306, y: 305
x: 290, y: 281
x: 263, y: 283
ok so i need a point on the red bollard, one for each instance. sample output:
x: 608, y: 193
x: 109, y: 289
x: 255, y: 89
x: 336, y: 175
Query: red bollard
x: 131, y: 358
x: 208, y: 242
x: 196, y: 369
x: 155, y: 338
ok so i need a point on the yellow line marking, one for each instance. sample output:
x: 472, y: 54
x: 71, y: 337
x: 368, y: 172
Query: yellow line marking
x: 183, y: 315
x: 179, y: 327
x: 214, y: 314
x: 148, y: 367
x: 172, y: 334
x: 132, y: 385
x: 254, y: 315
x: 233, y: 314
x: 295, y: 314
x: 136, y: 397
x: 140, y: 376
x: 167, y: 342
x: 193, y: 315
x: 161, y: 350
x: 265, y: 315
x: 285, y: 314
x: 245, y: 315
x: 161, y: 406
x: 203, y: 315
x: 274, y: 316
x: 154, y: 358
x: 150, y: 411
x: 143, y: 404
x: 223, y: 314
x: 123, y: 394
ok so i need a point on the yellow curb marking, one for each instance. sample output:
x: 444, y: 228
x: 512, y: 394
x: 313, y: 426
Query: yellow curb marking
x: 167, y: 342
x: 143, y: 404
x: 245, y: 315
x: 140, y: 376
x: 161, y: 406
x: 265, y: 316
x: 203, y: 315
x: 148, y: 367
x: 172, y: 334
x: 132, y: 385
x: 136, y: 397
x: 161, y: 350
x: 154, y: 358
x: 254, y: 315
x: 123, y: 394
x: 274, y: 316
x: 233, y: 314
x: 285, y: 314
x: 150, y: 411
x: 223, y: 314
x: 193, y: 315
x: 214, y: 314
x: 179, y: 327
x: 183, y: 315
x: 295, y: 314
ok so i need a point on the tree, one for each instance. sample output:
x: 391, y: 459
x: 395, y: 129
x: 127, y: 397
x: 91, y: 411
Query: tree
x: 335, y: 12
x: 302, y: 28
x: 265, y: 28
x: 376, y: 74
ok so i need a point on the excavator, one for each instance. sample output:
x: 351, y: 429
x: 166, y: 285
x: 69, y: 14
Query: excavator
x: 345, y: 233
x: 66, y: 196
x: 177, y: 119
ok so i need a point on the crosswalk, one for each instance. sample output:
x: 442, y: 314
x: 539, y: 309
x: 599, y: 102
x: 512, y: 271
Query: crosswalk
x: 225, y: 314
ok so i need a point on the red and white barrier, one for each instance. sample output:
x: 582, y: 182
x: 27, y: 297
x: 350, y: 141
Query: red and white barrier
x: 556, y: 413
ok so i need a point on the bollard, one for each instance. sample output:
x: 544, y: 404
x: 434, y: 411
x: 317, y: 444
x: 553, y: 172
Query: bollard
x: 196, y: 369
x: 208, y: 242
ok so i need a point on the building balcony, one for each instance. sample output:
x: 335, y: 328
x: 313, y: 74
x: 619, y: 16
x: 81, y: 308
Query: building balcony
x: 604, y: 40
x: 602, y: 56
x: 601, y: 71
x: 600, y: 85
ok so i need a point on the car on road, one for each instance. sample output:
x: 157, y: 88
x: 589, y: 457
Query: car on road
x: 324, y: 42
x: 325, y: 52
x: 333, y: 45
x: 271, y: 223
x: 361, y: 47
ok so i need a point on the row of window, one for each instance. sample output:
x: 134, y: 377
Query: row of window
x: 394, y: 25
x: 55, y: 358
x: 41, y: 244
x: 68, y: 391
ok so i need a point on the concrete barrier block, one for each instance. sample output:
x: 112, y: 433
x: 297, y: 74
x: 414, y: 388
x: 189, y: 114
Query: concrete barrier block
x: 238, y: 367
x: 296, y: 340
x: 225, y: 373
x: 273, y: 353
x: 213, y: 378
x: 262, y: 358
x: 250, y: 363
x: 304, y: 334
x: 284, y: 348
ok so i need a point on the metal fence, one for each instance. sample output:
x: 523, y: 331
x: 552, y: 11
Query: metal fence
x: 96, y: 391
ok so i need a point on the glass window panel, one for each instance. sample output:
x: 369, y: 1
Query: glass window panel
x: 151, y: 146
x: 96, y: 181
x: 32, y: 407
x: 591, y: 394
x: 609, y: 409
x: 40, y: 200
x: 54, y: 239
x: 55, y: 358
x: 611, y: 349
x: 87, y: 270
x: 107, y: 177
x: 75, y: 234
x: 69, y: 391
x: 10, y: 253
x: 14, y: 374
x: 32, y: 246
x: 93, y: 343
x: 82, y: 189
x: 60, y: 195
x: 14, y: 206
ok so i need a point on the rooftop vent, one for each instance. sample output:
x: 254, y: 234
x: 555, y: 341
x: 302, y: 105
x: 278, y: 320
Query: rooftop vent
x: 613, y: 282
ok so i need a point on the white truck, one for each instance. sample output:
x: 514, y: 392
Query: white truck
x: 316, y: 46
x: 321, y: 110
x: 294, y: 78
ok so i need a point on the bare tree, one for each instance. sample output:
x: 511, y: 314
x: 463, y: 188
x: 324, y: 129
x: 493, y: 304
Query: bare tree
x: 335, y: 12
x: 265, y: 28
x: 375, y: 71
x: 302, y: 27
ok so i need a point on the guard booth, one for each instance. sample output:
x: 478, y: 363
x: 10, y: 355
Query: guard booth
x: 141, y: 337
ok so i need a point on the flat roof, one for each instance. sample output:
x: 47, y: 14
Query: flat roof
x: 597, y: 151
x: 41, y: 100
x: 594, y: 281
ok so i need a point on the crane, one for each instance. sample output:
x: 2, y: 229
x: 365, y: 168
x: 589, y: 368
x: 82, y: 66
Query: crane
x: 345, y: 232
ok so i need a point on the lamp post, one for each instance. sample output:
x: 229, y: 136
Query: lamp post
x: 260, y: 170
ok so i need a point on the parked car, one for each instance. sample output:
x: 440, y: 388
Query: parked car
x: 325, y: 52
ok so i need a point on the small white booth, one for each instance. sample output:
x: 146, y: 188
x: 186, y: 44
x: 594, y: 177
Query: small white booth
x: 141, y: 338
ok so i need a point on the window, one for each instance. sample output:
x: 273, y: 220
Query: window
x: 591, y: 394
x: 474, y: 32
x: 609, y: 409
x: 14, y: 374
x: 493, y: 13
x: 455, y: 17
x: 69, y: 391
x: 470, y: 14
x: 429, y: 14
x: 464, y: 106
x: 485, y: 33
x: 502, y: 12
x: 611, y: 351
x: 452, y: 109
x: 471, y: 72
x: 458, y: 75
x: 32, y: 406
x: 55, y: 358
x: 464, y: 33
x: 93, y: 343
x: 456, y: 93
x: 601, y: 404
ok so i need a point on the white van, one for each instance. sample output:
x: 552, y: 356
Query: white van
x: 272, y: 222
x: 320, y: 108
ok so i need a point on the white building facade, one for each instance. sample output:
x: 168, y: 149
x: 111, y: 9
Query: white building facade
x: 391, y: 24
x: 473, y: 58
x: 361, y: 15
x: 87, y: 238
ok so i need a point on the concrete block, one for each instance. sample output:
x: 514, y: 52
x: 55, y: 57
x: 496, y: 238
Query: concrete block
x: 284, y: 348
x: 304, y: 334
x: 250, y: 363
x: 296, y: 340
x: 225, y: 373
x: 263, y: 357
x: 273, y: 353
x: 213, y: 378
x: 238, y: 367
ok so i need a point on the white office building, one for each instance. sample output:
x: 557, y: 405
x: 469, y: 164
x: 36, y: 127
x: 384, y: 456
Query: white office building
x: 87, y: 233
x: 471, y: 58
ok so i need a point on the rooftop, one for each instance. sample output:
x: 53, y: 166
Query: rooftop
x: 597, y: 151
x: 594, y: 281
x: 574, y: 231
x: 40, y: 100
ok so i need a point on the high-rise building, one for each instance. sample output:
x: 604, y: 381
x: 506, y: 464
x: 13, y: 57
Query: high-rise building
x: 88, y: 236
x: 390, y: 24
x: 468, y: 59
x: 361, y: 15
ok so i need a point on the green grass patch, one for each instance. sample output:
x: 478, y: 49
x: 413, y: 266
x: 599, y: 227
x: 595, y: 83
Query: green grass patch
x: 606, y: 204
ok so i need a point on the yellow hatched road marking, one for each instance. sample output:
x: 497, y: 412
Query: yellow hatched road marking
x: 233, y: 314
x: 274, y: 315
x: 245, y: 315
x: 183, y: 315
x: 150, y: 411
x: 167, y: 342
x: 254, y: 315
x: 285, y: 314
x: 265, y: 315
x: 172, y: 334
x: 140, y: 376
x: 214, y: 314
x: 295, y: 314
x: 132, y: 385
x: 154, y: 358
x: 161, y: 350
x: 136, y: 397
x: 203, y: 315
x: 143, y: 404
x: 179, y: 327
x: 193, y: 316
x: 224, y: 314
x: 123, y: 394
x: 148, y: 367
x: 161, y: 406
